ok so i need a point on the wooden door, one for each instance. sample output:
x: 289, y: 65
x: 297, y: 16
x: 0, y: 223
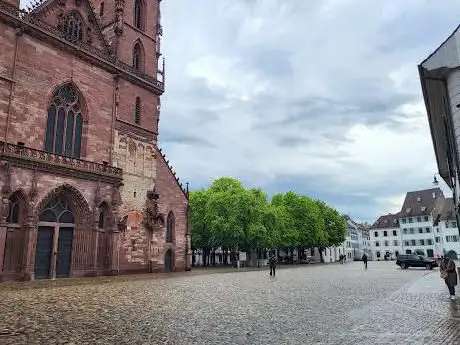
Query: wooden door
x: 64, y: 252
x: 44, y: 252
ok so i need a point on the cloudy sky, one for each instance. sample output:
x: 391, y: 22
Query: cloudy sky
x: 320, y: 97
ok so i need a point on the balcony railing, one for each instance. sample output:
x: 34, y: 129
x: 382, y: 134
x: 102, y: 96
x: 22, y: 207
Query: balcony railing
x: 51, y: 161
x: 29, y: 18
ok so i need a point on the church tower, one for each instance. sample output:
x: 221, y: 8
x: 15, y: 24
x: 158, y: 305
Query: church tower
x: 132, y: 29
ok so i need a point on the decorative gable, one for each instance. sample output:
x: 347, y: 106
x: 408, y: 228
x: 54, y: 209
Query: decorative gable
x: 74, y: 20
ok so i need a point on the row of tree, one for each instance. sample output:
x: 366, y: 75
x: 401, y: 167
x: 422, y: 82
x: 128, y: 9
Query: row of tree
x: 233, y: 218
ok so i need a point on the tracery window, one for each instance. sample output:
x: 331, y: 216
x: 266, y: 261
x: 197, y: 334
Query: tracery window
x: 65, y: 123
x: 137, y: 111
x: 72, y: 26
x: 137, y: 57
x: 138, y: 14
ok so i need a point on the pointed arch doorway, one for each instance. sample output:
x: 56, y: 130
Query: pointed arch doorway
x: 169, y: 265
x: 53, y: 252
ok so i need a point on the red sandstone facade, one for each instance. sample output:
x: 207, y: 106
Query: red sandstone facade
x: 84, y: 188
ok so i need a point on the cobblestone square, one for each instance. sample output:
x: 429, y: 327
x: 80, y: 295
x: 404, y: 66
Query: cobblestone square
x: 318, y: 304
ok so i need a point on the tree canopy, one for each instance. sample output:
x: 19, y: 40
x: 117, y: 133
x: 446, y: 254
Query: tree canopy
x: 231, y: 217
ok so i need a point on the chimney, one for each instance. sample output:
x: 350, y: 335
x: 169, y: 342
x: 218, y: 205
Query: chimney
x: 434, y: 195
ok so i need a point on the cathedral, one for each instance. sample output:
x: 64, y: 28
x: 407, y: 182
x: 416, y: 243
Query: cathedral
x: 85, y: 189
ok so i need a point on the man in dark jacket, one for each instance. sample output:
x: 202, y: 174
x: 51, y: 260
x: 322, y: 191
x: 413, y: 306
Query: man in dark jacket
x: 365, y: 260
x: 272, y: 262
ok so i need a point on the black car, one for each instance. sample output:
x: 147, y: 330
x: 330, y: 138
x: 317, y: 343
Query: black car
x: 411, y: 260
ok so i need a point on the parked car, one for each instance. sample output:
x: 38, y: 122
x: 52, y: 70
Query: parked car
x: 411, y: 260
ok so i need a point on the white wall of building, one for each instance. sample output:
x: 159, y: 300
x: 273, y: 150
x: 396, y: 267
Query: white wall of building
x: 417, y: 233
x: 385, y: 241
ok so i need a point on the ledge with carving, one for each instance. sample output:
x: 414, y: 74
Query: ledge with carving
x: 29, y: 158
x: 153, y: 219
x: 28, y: 23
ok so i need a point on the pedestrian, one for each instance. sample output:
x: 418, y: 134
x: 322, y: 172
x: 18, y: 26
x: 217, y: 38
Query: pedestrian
x: 450, y: 275
x: 272, y: 261
x: 365, y: 261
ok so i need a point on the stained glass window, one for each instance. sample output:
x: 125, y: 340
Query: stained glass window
x: 137, y: 115
x: 57, y: 210
x: 65, y: 123
x: 59, y: 131
x: 69, y: 134
x: 72, y: 25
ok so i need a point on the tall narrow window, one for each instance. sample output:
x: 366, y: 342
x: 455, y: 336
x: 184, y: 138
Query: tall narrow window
x: 170, y: 228
x: 138, y: 13
x: 65, y: 123
x: 101, y: 9
x: 137, y: 111
x: 72, y: 26
x: 137, y: 57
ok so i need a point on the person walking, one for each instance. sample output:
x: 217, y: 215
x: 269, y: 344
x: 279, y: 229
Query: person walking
x: 365, y: 260
x: 449, y: 270
x: 272, y: 261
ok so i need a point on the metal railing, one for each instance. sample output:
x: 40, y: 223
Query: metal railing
x: 29, y: 154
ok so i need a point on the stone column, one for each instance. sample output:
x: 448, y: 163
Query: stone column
x: 114, y: 253
x: 2, y: 246
x: 4, y: 207
x: 95, y: 251
x: 28, y: 270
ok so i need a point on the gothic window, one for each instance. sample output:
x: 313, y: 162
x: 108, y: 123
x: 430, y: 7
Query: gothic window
x: 65, y: 123
x: 13, y: 211
x: 138, y: 14
x: 57, y: 211
x: 170, y: 228
x: 137, y: 57
x: 137, y: 111
x: 72, y: 26
x: 100, y: 223
x: 101, y: 9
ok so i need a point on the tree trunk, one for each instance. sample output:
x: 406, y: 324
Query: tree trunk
x: 321, y: 257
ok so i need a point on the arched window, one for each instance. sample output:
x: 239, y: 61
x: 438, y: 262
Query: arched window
x: 138, y: 14
x: 13, y: 210
x: 72, y: 26
x: 137, y: 57
x: 65, y: 123
x: 170, y: 228
x: 57, y: 211
x: 137, y: 111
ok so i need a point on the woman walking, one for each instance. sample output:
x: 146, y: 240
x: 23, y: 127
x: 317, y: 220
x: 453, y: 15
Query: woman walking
x: 450, y: 275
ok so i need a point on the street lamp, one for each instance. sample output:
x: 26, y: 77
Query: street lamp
x: 435, y: 180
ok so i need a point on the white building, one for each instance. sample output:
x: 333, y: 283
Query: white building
x: 447, y: 237
x: 385, y: 235
x: 425, y: 225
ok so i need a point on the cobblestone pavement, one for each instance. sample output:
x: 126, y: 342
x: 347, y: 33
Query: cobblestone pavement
x: 330, y: 304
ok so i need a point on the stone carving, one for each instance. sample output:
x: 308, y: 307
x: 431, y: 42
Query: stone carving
x: 152, y: 217
x: 33, y: 188
x: 122, y: 224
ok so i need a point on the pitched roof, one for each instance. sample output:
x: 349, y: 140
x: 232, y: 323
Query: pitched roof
x: 448, y: 210
x: 422, y: 203
x: 387, y: 221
